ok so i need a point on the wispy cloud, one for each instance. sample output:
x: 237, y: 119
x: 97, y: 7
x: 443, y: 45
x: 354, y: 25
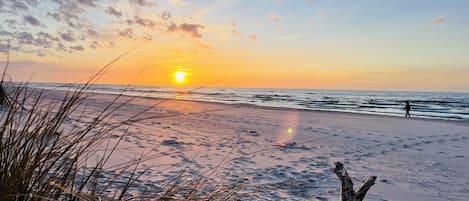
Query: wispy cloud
x: 32, y: 20
x: 145, y: 3
x: 252, y: 38
x: 439, y: 20
x: 204, y: 45
x: 113, y: 11
x: 274, y: 18
x: 234, y: 30
x: 68, y: 36
x: 192, y: 30
x: 126, y: 33
x: 77, y: 48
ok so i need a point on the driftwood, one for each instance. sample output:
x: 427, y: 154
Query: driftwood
x: 346, y: 188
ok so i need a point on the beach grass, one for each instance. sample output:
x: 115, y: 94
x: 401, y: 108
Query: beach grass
x: 44, y: 157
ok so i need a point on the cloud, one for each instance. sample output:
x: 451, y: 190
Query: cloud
x: 178, y: 2
x: 252, y: 38
x: 234, y: 30
x: 112, y: 11
x: 25, y: 38
x: 61, y: 47
x: 147, y: 3
x: 70, y: 11
x: 39, y: 53
x: 144, y: 22
x: 439, y: 20
x: 68, y: 36
x: 77, y: 48
x: 32, y: 20
x: 18, y: 5
x: 33, y: 43
x: 435, y: 22
x: 165, y: 15
x: 70, y: 24
x: 274, y: 18
x: 87, y: 2
x: 126, y: 33
x: 92, y: 32
x: 112, y: 44
x: 94, y: 45
x: 45, y: 40
x: 11, y: 23
x: 233, y: 24
x: 4, y: 47
x: 204, y: 45
x: 55, y: 16
x: 47, y: 36
x: 193, y: 30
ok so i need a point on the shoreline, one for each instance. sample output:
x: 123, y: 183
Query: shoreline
x: 458, y: 122
x: 379, y: 110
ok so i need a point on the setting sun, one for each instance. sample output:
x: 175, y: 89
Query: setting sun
x: 234, y: 100
x: 180, y: 77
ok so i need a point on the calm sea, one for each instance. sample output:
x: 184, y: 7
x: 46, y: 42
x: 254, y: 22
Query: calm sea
x: 434, y: 105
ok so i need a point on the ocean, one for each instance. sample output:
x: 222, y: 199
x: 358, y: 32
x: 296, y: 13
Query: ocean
x: 431, y: 105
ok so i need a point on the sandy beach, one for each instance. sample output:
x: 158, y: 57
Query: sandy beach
x: 221, y: 100
x: 286, y: 154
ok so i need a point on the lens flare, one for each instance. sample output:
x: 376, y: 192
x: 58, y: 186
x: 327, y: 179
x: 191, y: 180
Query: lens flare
x: 288, y: 129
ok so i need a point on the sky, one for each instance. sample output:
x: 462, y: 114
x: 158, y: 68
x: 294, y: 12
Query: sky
x: 416, y: 45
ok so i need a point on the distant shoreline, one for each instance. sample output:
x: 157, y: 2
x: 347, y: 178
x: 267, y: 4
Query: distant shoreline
x: 287, y: 109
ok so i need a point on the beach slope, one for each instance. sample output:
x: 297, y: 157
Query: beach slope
x: 288, y: 154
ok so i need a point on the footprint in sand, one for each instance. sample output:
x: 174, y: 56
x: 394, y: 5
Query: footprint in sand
x: 454, y: 139
x: 441, y: 141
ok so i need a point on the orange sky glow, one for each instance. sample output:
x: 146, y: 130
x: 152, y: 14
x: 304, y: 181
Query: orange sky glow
x: 322, y: 45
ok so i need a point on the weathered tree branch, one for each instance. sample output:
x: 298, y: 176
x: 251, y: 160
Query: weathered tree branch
x: 346, y: 188
x: 360, y: 195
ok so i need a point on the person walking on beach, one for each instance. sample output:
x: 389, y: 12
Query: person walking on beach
x: 407, y: 109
